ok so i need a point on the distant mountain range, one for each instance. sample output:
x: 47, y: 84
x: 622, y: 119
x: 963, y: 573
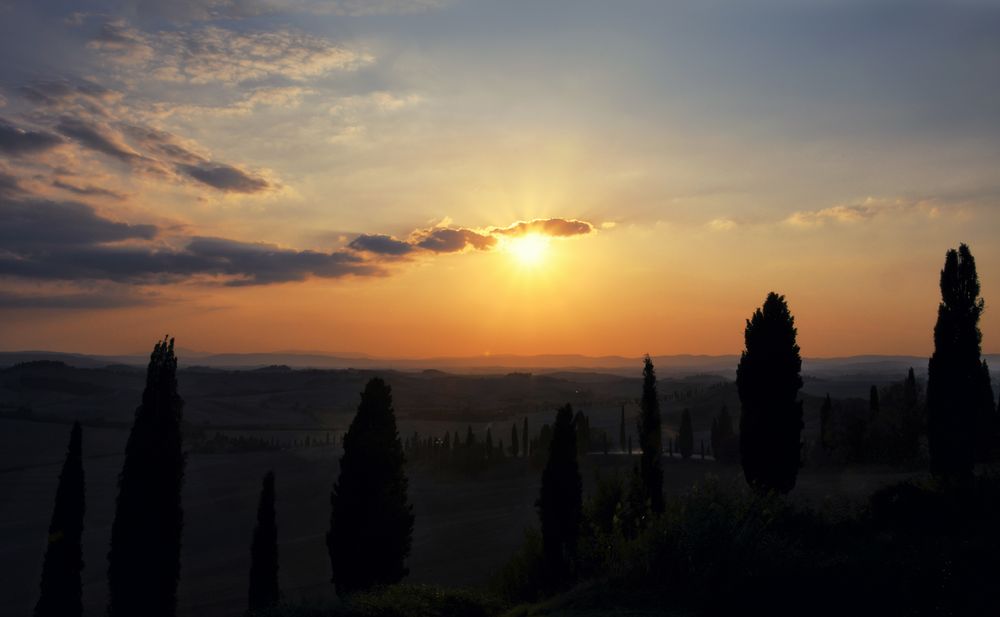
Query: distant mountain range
x: 670, y: 365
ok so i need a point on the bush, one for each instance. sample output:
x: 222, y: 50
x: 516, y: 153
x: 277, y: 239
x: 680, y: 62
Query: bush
x: 395, y: 601
x: 522, y: 578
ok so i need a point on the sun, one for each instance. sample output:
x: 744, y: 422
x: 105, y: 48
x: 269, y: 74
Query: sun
x: 529, y: 250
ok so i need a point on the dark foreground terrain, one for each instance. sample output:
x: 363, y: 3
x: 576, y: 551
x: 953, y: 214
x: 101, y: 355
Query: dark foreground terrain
x: 466, y: 528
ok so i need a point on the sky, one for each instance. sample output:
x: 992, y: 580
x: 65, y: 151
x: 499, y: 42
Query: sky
x: 422, y: 178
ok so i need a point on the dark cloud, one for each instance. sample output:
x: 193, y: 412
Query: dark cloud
x: 549, y: 227
x: 67, y: 241
x: 54, y: 93
x: 224, y: 177
x: 446, y: 240
x: 98, y: 138
x: 9, y: 186
x: 35, y: 225
x: 17, y: 141
x: 80, y: 112
x: 67, y: 301
x: 88, y: 191
x: 380, y: 244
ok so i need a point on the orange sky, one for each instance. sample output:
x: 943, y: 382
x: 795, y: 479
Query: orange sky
x: 295, y: 177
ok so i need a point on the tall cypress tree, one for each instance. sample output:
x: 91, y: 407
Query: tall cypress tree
x: 515, y: 448
x: 650, y: 438
x: 560, y: 504
x: 685, y: 438
x: 525, y: 443
x: 145, y: 558
x: 621, y: 431
x: 987, y: 421
x: 61, y: 591
x: 954, y: 372
x: 264, y: 591
x: 768, y: 382
x: 371, y: 519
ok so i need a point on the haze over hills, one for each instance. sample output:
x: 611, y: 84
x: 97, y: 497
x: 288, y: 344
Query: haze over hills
x: 666, y: 365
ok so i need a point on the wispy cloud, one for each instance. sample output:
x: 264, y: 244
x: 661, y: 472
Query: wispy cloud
x: 868, y: 209
x: 213, y: 55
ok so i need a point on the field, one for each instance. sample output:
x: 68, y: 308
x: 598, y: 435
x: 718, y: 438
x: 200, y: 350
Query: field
x: 466, y: 527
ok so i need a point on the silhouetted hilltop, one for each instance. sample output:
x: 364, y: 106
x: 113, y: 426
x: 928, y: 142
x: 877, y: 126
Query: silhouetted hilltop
x: 866, y: 366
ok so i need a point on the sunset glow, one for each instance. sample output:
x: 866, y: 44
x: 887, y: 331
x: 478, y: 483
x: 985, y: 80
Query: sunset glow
x: 188, y: 164
x: 529, y: 250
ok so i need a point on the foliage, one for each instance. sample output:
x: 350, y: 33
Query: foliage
x: 144, y: 560
x: 61, y: 590
x: 768, y: 382
x: 399, y: 600
x: 371, y: 519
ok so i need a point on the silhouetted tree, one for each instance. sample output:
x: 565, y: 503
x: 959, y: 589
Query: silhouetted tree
x: 144, y: 561
x: 371, y: 519
x: 61, y: 591
x: 470, y: 438
x: 621, y: 431
x: 686, y: 437
x: 560, y: 504
x: 987, y: 421
x: 955, y: 372
x: 873, y: 405
x: 635, y: 508
x: 768, y: 382
x: 489, y: 442
x: 264, y: 590
x: 525, y: 440
x: 725, y: 447
x: 650, y: 438
x: 515, y: 447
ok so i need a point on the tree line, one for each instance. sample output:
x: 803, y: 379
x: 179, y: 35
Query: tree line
x: 371, y: 520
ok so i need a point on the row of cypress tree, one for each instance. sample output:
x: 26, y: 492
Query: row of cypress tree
x: 371, y: 522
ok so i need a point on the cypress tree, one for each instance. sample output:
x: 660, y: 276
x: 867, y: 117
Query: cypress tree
x: 650, y: 439
x: 515, y: 448
x: 371, y: 519
x: 954, y: 372
x: 825, y: 419
x: 621, y: 431
x: 524, y: 438
x: 685, y: 440
x: 144, y: 561
x: 560, y: 504
x: 987, y: 424
x: 768, y: 382
x: 264, y: 590
x: 724, y: 444
x: 61, y: 591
